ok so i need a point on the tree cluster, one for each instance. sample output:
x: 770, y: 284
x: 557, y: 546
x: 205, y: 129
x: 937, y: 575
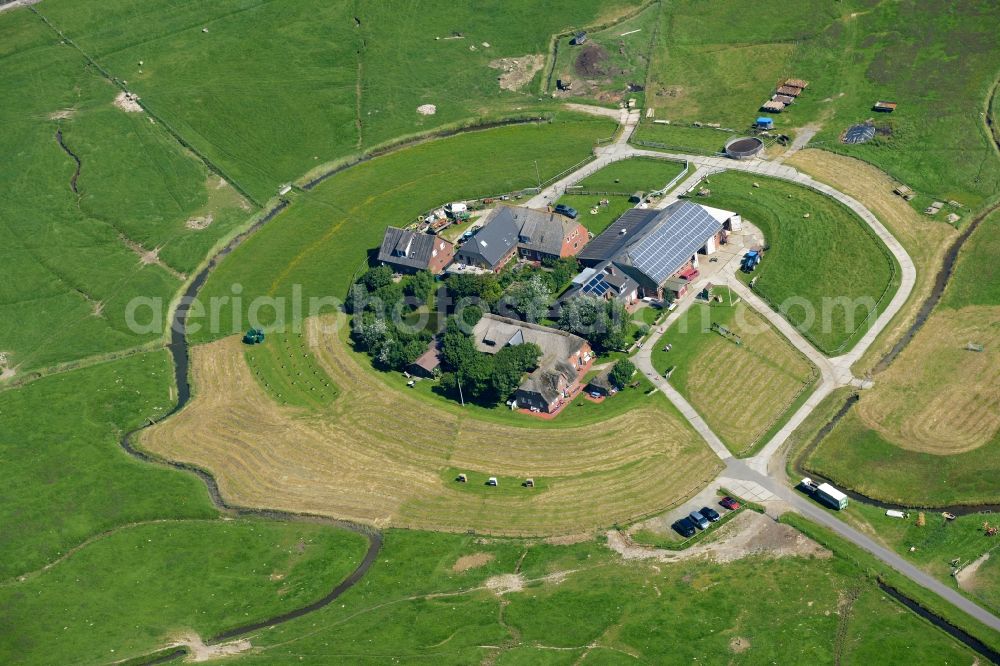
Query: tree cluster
x: 375, y: 300
x: 484, y: 378
x: 603, y: 323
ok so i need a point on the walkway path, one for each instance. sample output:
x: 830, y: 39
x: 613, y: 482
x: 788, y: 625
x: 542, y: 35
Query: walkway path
x: 766, y: 469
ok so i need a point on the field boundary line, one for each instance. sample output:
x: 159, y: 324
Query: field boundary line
x: 212, y: 166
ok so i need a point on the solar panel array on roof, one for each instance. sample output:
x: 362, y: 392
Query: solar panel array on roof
x: 667, y: 247
x: 624, y: 230
x: 597, y: 286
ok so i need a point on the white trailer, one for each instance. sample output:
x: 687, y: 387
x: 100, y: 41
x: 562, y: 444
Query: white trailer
x: 830, y: 496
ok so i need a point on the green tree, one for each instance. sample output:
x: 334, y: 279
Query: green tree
x: 531, y: 298
x: 622, y: 373
x: 376, y: 278
x: 420, y: 286
x: 509, y: 366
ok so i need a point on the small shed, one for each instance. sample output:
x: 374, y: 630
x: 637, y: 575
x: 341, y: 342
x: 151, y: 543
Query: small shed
x: 884, y: 107
x: 579, y: 38
x: 427, y: 364
x: 764, y: 123
x: 772, y: 107
x: 791, y: 91
x: 601, y: 383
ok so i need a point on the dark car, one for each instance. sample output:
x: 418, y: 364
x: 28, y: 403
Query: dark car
x: 568, y: 211
x: 729, y: 503
x: 685, y: 527
x: 698, y: 520
x: 710, y: 513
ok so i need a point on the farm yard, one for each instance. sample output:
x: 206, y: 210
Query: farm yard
x: 743, y: 385
x: 298, y: 499
x: 818, y: 254
x: 323, y: 241
x: 354, y: 460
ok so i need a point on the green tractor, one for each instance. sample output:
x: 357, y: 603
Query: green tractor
x: 254, y: 336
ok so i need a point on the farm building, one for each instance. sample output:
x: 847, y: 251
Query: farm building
x: 653, y: 246
x: 772, y: 106
x: 493, y: 245
x: 427, y: 364
x: 601, y: 384
x: 545, y: 235
x: 565, y: 359
x: 604, y: 281
x: 408, y: 251
x: 535, y: 234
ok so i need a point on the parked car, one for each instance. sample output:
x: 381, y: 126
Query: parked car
x: 729, y: 503
x: 710, y: 513
x: 698, y: 520
x: 568, y: 211
x: 685, y: 527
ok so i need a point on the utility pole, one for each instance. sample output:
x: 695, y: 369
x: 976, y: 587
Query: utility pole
x: 538, y: 177
x: 458, y: 378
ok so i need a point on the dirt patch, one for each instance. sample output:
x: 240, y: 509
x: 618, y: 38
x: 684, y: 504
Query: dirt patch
x: 202, y: 652
x: 966, y: 577
x: 592, y: 61
x: 62, y: 114
x: 517, y: 72
x: 739, y: 645
x: 128, y: 102
x: 505, y: 583
x: 570, y: 539
x: 199, y: 223
x: 939, y: 397
x: 6, y: 371
x: 473, y: 561
x: 748, y: 534
x: 427, y: 109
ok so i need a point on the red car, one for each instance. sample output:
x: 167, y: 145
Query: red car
x: 729, y: 503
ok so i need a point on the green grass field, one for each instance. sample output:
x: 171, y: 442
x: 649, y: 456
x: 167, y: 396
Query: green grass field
x: 681, y: 138
x: 288, y: 371
x: 859, y: 458
x: 906, y: 476
x: 627, y: 176
x: 744, y: 392
x: 720, y: 62
x: 581, y: 601
x: 361, y: 69
x: 66, y: 478
x: 134, y: 591
x: 813, y: 263
x: 324, y: 238
x: 72, y: 259
x: 937, y: 544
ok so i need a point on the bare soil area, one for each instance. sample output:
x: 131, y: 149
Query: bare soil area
x: 62, y: 114
x: 517, y: 72
x: 967, y: 575
x: 201, y: 652
x: 592, y: 61
x: 200, y: 222
x: 128, y: 102
x: 746, y: 535
x: 473, y: 561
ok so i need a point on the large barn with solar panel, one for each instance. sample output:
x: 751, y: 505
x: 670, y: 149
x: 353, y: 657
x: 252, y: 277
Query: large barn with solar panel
x: 656, y: 249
